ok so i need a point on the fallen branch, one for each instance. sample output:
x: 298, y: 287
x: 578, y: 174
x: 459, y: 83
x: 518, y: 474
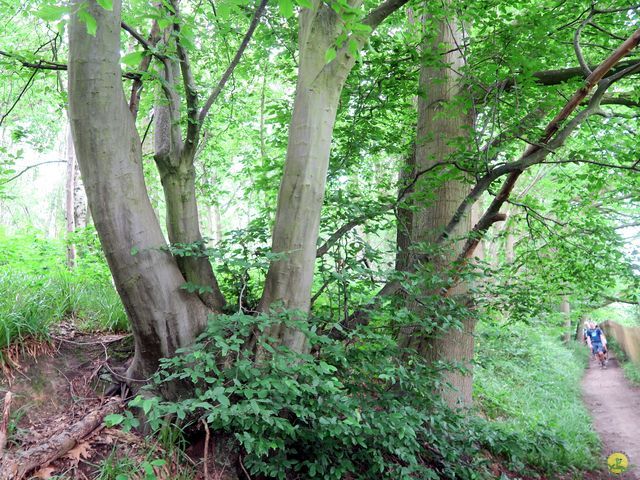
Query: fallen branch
x: 16, y: 466
x: 4, y: 426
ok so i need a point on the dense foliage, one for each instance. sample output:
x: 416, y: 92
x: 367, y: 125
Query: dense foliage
x: 357, y: 404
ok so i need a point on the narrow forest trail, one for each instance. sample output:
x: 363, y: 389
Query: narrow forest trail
x: 615, y: 407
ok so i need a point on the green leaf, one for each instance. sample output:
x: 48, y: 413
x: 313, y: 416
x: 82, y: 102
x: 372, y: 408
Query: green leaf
x: 286, y: 8
x: 361, y: 27
x: 51, y: 13
x: 134, y: 251
x: 305, y: 3
x: 187, y: 37
x: 92, y: 25
x: 164, y: 23
x: 353, y: 47
x: 330, y: 55
x: 106, y: 4
x: 113, y: 419
x: 133, y: 59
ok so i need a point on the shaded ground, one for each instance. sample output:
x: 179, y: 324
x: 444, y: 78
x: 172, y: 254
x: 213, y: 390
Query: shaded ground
x: 615, y: 407
x: 55, y: 385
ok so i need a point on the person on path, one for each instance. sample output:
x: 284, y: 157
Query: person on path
x: 597, y: 343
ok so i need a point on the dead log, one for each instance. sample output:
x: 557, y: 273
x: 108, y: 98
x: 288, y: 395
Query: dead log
x: 4, y: 425
x: 16, y: 466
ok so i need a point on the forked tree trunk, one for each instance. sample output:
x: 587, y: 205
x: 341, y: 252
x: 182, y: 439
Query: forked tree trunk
x: 163, y: 317
x: 441, y: 125
x: 301, y: 194
x: 175, y: 163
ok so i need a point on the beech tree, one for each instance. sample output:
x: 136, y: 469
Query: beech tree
x: 462, y: 151
x: 163, y: 316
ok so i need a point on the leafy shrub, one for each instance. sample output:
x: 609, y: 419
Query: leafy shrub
x: 364, y: 410
x: 632, y: 372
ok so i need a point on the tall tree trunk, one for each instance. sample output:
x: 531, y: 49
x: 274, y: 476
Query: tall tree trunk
x: 163, y: 316
x: 441, y: 124
x: 215, y: 222
x: 70, y: 190
x: 404, y: 215
x: 301, y: 194
x: 509, y: 243
x: 302, y: 188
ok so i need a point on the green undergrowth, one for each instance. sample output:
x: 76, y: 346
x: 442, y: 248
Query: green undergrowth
x: 527, y: 383
x: 364, y: 409
x: 632, y: 372
x: 38, y: 290
x: 630, y: 369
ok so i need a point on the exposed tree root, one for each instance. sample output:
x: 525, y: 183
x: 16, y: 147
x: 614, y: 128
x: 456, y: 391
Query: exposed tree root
x: 16, y: 466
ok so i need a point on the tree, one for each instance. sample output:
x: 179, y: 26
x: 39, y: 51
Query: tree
x: 163, y: 316
x: 444, y: 127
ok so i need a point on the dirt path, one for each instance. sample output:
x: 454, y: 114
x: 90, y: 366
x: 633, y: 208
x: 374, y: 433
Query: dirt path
x: 615, y: 407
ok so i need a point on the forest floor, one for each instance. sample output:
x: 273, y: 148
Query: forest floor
x: 615, y: 407
x: 56, y: 385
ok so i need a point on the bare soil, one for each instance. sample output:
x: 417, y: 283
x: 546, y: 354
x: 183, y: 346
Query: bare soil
x: 615, y: 407
x: 56, y: 384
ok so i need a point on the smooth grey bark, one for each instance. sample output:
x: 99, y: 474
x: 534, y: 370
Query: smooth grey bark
x: 289, y: 279
x: 441, y: 125
x: 302, y: 188
x: 80, y: 209
x: 163, y: 316
x: 175, y: 161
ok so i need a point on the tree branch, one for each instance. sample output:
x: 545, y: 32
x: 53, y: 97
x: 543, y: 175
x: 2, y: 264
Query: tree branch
x: 236, y: 59
x: 347, y: 227
x: 576, y: 46
x: 49, y: 65
x: 11, y: 179
x: 136, y: 86
x: 20, y: 95
x: 536, y: 153
x: 190, y: 90
x: 556, y: 77
x: 146, y: 45
x: 380, y: 13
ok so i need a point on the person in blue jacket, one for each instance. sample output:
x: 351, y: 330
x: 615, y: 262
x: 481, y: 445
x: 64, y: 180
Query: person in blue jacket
x: 597, y: 342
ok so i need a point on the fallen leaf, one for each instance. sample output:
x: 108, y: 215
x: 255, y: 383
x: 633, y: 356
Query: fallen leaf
x: 44, y: 473
x: 80, y: 451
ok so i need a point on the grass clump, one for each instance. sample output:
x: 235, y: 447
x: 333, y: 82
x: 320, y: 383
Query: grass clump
x: 38, y: 290
x: 528, y: 383
x: 630, y: 369
x: 632, y: 372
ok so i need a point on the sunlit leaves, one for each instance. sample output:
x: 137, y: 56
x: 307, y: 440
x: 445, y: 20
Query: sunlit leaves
x: 133, y: 59
x: 52, y: 13
x: 106, y: 4
x: 286, y: 8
